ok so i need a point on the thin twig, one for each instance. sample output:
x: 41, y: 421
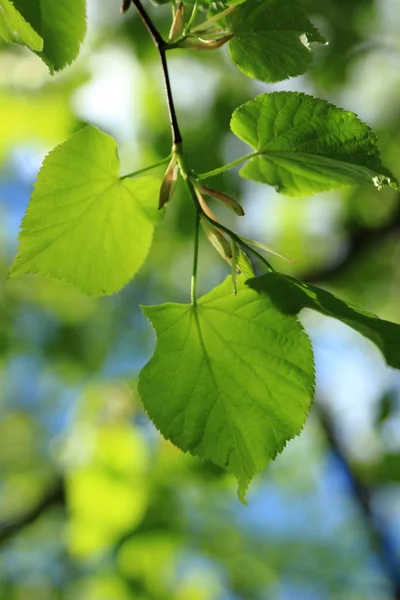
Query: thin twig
x: 162, y: 46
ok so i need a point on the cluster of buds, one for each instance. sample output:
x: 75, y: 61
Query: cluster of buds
x: 228, y: 249
x: 206, y: 36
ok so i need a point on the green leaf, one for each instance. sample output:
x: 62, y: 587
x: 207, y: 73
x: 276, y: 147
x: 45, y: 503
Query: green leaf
x: 63, y: 31
x: 231, y: 379
x: 290, y: 296
x: 271, y: 39
x: 59, y: 25
x: 305, y: 145
x: 84, y: 224
x: 15, y: 29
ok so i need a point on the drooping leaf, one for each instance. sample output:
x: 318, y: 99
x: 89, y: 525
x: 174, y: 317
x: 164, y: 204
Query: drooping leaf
x: 305, y: 145
x: 271, y: 39
x: 231, y: 379
x: 60, y: 25
x: 290, y: 296
x: 16, y: 29
x: 63, y: 31
x: 84, y: 224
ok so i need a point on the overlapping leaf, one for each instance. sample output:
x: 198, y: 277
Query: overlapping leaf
x: 231, y: 379
x: 290, y: 296
x: 271, y: 39
x: 305, y: 145
x: 84, y: 225
x: 16, y: 29
x: 53, y: 29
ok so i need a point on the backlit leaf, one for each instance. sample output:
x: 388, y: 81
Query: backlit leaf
x: 16, y: 29
x: 271, y: 39
x: 59, y: 25
x: 305, y: 145
x: 231, y: 379
x: 84, y: 224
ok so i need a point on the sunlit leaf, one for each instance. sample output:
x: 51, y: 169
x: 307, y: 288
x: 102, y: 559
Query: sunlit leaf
x: 271, y: 39
x: 231, y: 379
x: 14, y: 28
x: 61, y: 25
x: 305, y: 145
x: 84, y: 224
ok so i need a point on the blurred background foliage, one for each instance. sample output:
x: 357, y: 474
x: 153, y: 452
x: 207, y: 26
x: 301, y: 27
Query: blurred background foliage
x: 94, y: 505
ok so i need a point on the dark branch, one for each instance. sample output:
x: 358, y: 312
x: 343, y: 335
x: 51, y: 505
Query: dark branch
x: 361, y: 240
x: 162, y: 46
x: 362, y: 494
x: 55, y: 496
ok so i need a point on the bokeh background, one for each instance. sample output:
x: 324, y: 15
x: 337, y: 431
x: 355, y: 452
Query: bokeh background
x: 94, y: 505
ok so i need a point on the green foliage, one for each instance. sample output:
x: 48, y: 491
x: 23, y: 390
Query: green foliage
x: 232, y: 376
x: 305, y: 145
x: 290, y: 296
x: 84, y: 224
x: 231, y: 380
x: 63, y: 29
x: 55, y: 30
x: 14, y: 28
x: 271, y: 39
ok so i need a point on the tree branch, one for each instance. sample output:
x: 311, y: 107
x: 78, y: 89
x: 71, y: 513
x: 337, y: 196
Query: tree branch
x: 162, y: 46
x: 361, y: 239
x: 55, y: 496
x: 362, y: 494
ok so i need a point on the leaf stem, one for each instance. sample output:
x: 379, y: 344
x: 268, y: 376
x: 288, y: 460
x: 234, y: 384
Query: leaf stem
x: 224, y: 168
x: 139, y: 171
x: 193, y: 288
x: 239, y: 240
x: 162, y: 47
x: 234, y: 236
x: 192, y: 16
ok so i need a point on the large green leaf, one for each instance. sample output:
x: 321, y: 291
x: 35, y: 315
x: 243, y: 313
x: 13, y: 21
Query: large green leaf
x: 63, y: 31
x: 305, y: 145
x: 58, y: 25
x: 271, y: 39
x: 231, y: 379
x: 290, y: 296
x: 16, y: 29
x: 84, y: 224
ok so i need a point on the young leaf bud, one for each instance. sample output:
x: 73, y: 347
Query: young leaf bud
x: 224, y: 198
x: 217, y: 239
x: 125, y: 5
x: 169, y: 183
x: 195, y: 43
x: 178, y: 23
x: 204, y: 206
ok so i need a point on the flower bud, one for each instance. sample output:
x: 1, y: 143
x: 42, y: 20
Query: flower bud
x: 169, y: 183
